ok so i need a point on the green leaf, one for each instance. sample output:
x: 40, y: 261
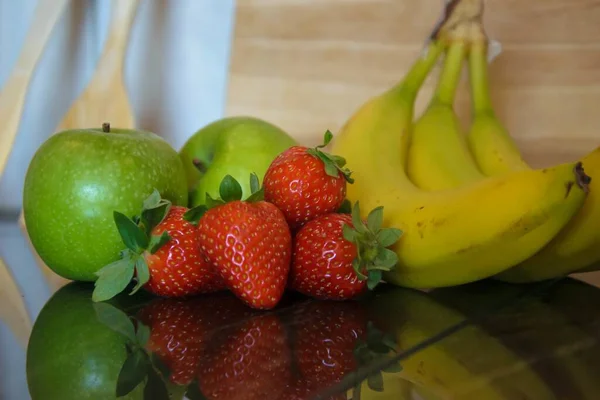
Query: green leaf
x: 160, y: 365
x: 338, y: 160
x: 375, y: 219
x: 374, y: 278
x: 142, y: 334
x: 356, y: 395
x: 259, y: 195
x: 357, y: 220
x: 193, y: 392
x: 230, y: 189
x: 115, y: 319
x: 142, y: 274
x: 394, y: 368
x: 156, y: 242
x: 379, y: 348
x: 375, y: 382
x: 134, y: 370
x: 113, y: 279
x: 211, y: 202
x: 153, y: 200
x: 327, y: 138
x: 386, y: 258
x: 349, y: 233
x: 356, y: 265
x: 193, y: 215
x: 331, y: 169
x: 347, y: 175
x: 155, y: 387
x: 389, y: 236
x: 151, y: 217
x: 132, y: 235
x: 346, y: 207
x: 254, y: 184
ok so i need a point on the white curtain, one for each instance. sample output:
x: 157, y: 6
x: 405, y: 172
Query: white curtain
x: 176, y: 71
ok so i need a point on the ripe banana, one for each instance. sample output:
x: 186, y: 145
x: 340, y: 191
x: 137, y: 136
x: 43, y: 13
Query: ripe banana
x: 466, y: 364
x: 454, y: 236
x: 436, y: 137
x: 564, y: 355
x: 577, y: 246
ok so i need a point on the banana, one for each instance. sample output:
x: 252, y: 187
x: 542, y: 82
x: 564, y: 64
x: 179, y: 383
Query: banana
x: 564, y: 355
x: 577, y: 246
x: 459, y: 235
x: 438, y: 131
x: 449, y: 358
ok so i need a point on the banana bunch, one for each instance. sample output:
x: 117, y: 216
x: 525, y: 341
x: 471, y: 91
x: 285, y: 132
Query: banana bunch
x: 459, y: 225
x: 490, y: 151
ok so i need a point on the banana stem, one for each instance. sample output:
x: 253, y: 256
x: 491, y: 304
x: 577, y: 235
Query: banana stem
x: 450, y: 74
x: 478, y: 76
x: 414, y: 78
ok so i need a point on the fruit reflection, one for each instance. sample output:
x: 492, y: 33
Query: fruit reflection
x: 533, y: 326
x: 71, y: 352
x: 248, y: 360
x: 449, y: 358
x: 180, y: 329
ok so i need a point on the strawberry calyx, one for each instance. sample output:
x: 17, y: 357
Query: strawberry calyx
x: 136, y: 234
x: 372, y: 241
x: 229, y: 190
x: 333, y: 164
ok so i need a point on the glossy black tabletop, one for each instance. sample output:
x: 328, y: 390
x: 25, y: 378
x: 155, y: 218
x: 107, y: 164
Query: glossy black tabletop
x: 486, y: 340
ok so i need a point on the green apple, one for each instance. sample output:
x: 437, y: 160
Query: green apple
x: 236, y: 146
x: 71, y: 354
x: 78, y: 178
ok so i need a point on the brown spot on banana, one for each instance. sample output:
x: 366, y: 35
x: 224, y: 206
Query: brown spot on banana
x: 581, y: 178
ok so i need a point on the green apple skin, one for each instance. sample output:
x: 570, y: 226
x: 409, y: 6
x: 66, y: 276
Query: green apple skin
x: 71, y: 355
x: 75, y: 181
x: 237, y: 146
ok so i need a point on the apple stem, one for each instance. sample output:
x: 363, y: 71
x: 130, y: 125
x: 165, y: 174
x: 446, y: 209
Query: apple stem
x: 200, y: 166
x: 106, y: 127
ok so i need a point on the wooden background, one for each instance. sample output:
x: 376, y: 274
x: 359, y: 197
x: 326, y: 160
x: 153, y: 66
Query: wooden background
x: 307, y: 64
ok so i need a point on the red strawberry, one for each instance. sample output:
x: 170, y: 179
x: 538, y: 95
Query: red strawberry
x: 306, y: 182
x: 249, y: 244
x: 337, y: 256
x: 163, y: 253
x: 250, y: 360
x: 177, y: 268
x: 181, y: 328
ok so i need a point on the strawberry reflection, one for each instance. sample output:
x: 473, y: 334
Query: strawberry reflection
x: 215, y: 347
x: 250, y: 360
x: 180, y: 329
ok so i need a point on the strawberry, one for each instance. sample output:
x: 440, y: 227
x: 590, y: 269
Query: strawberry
x: 306, y: 182
x: 180, y: 329
x: 338, y: 256
x: 250, y: 360
x: 248, y: 243
x: 162, y: 253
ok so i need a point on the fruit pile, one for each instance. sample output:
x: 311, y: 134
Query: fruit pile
x: 245, y: 208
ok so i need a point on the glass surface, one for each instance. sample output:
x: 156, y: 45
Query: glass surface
x: 486, y: 340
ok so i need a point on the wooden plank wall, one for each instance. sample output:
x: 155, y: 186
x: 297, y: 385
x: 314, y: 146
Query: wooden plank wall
x: 307, y: 64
